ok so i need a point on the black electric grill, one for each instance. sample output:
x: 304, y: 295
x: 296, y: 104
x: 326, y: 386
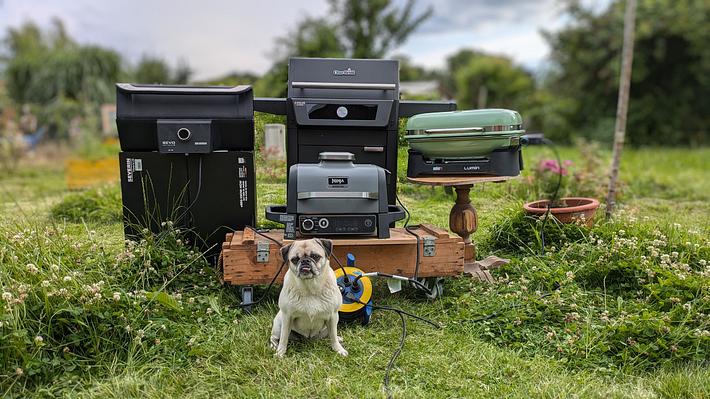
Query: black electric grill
x: 345, y: 105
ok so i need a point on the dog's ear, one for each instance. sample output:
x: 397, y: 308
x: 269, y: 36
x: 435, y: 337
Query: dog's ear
x: 327, y: 246
x: 284, y: 252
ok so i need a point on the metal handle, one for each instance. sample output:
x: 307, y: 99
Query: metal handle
x: 455, y: 130
x: 331, y: 85
x: 374, y: 149
x: 167, y: 89
x: 338, y: 194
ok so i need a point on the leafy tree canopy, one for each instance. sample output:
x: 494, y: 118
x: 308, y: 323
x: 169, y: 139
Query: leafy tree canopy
x: 669, y: 99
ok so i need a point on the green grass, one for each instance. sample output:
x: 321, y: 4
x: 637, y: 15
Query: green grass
x: 649, y: 343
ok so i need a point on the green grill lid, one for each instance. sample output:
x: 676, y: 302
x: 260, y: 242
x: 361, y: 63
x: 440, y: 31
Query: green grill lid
x: 471, y: 121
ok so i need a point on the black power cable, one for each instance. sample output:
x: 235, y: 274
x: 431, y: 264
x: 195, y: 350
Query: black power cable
x: 401, y: 313
x: 409, y: 230
x: 199, y: 190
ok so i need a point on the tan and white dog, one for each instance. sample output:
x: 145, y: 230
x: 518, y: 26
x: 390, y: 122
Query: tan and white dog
x: 310, y: 297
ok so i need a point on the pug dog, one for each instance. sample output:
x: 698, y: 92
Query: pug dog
x: 310, y: 297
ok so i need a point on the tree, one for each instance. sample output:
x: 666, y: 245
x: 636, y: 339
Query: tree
x: 488, y: 81
x: 312, y: 37
x: 410, y: 72
x: 670, y: 78
x: 44, y: 66
x: 58, y: 77
x: 151, y: 70
x: 372, y: 28
x: 453, y: 64
x: 358, y: 29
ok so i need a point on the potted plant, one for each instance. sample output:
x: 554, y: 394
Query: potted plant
x: 551, y: 179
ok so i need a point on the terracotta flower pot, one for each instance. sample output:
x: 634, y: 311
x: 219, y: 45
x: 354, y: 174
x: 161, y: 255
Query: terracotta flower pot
x: 578, y: 208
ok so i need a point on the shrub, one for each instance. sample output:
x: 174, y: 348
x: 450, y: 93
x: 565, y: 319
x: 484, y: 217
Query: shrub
x: 521, y: 233
x: 69, y: 307
x: 101, y: 205
x: 620, y: 295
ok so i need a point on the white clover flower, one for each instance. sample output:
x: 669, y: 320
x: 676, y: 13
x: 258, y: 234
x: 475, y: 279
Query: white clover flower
x: 32, y: 268
x: 55, y: 268
x: 687, y: 306
x: 702, y: 262
x: 570, y: 275
x: 19, y: 372
x: 38, y: 339
x: 116, y: 296
x: 209, y: 311
x: 6, y: 296
x: 67, y: 278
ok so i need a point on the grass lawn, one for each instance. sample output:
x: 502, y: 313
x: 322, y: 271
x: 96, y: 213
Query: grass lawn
x: 626, y: 315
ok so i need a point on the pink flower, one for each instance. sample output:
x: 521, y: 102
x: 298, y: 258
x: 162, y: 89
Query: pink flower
x: 552, y: 166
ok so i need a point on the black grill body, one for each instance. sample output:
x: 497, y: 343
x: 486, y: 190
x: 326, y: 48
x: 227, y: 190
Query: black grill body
x: 201, y: 178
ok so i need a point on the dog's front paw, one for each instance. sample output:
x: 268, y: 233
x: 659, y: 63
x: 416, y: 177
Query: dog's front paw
x: 274, y: 343
x: 281, y: 351
x: 341, y: 351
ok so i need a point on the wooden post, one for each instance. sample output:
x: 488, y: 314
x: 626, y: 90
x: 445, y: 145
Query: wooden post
x: 627, y: 58
x: 463, y: 220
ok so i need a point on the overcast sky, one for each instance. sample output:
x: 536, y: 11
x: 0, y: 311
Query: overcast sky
x: 216, y: 37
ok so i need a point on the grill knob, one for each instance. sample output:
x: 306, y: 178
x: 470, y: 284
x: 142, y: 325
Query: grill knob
x: 342, y: 112
x: 307, y: 225
x: 323, y: 223
x: 184, y: 134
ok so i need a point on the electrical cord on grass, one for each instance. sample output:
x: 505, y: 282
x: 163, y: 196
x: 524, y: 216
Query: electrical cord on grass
x: 409, y: 230
x: 401, y: 313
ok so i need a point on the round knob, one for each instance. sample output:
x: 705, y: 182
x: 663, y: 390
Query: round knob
x: 368, y: 223
x: 342, y: 112
x: 184, y: 134
x: 307, y: 224
x: 323, y: 223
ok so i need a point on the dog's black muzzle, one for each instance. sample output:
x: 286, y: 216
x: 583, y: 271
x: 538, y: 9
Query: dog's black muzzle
x: 305, y: 266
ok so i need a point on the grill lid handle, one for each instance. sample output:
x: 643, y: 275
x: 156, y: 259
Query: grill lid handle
x: 369, y: 195
x: 336, y: 156
x: 343, y: 85
x: 472, y: 129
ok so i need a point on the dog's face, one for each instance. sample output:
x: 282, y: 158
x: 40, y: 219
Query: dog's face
x: 307, y: 258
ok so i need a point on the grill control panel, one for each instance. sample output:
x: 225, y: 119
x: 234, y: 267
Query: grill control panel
x: 184, y: 136
x: 337, y: 224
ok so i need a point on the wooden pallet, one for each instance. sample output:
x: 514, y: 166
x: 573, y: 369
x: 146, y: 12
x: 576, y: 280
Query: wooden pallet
x: 394, y: 255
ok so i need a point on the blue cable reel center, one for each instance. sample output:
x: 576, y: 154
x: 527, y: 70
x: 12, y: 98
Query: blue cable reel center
x: 357, y: 293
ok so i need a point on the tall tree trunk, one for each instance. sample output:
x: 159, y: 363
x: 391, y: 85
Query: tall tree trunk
x: 627, y: 59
